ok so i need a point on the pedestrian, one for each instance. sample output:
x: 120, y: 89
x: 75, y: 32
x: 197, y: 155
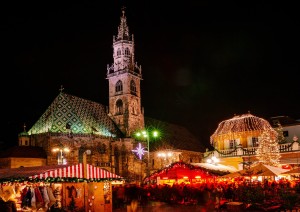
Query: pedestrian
x: 120, y: 194
x: 132, y: 194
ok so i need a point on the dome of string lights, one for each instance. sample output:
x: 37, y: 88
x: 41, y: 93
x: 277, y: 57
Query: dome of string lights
x: 241, y: 126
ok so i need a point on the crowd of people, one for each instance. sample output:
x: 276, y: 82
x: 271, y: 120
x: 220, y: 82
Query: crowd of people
x: 283, y: 193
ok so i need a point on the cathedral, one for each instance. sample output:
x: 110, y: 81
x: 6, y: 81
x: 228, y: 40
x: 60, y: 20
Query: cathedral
x: 72, y: 127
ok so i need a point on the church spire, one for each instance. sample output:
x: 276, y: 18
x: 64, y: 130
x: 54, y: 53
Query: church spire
x: 124, y: 77
x: 123, y: 31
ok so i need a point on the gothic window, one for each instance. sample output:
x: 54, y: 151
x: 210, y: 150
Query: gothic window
x: 119, y: 52
x: 127, y: 52
x: 119, y: 86
x: 132, y: 87
x: 119, y: 107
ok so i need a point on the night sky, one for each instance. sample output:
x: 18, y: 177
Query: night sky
x: 202, y: 61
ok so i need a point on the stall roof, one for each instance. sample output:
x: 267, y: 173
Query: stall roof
x: 179, y: 170
x: 57, y: 171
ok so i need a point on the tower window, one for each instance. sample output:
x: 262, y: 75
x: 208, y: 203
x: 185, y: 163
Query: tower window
x: 119, y: 86
x: 127, y: 52
x: 119, y: 52
x: 132, y: 87
x: 119, y: 107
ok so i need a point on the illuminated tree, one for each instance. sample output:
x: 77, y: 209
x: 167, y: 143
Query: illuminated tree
x: 268, y: 148
x: 280, y: 136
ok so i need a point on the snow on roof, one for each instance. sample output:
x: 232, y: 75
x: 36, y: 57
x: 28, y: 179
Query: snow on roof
x: 218, y: 167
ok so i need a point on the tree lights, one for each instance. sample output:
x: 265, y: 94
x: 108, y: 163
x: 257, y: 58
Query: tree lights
x: 268, y: 149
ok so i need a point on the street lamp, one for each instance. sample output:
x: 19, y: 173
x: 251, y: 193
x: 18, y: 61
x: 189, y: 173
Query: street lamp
x: 146, y: 135
x: 60, y: 158
x: 165, y: 157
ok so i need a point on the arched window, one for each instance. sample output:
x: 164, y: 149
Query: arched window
x: 127, y: 52
x: 119, y: 52
x: 119, y: 107
x: 132, y: 87
x: 119, y: 86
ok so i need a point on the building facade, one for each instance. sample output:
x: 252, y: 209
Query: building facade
x: 236, y: 140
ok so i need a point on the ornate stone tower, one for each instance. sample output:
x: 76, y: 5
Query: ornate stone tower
x: 124, y: 77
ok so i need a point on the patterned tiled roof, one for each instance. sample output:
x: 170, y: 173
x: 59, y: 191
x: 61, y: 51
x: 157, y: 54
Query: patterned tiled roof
x: 173, y: 136
x: 69, y: 113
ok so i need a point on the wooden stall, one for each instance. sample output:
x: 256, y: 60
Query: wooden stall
x: 73, y: 188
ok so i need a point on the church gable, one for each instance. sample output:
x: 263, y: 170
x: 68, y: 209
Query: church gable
x: 71, y: 114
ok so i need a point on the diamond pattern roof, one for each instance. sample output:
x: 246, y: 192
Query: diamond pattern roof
x: 69, y: 113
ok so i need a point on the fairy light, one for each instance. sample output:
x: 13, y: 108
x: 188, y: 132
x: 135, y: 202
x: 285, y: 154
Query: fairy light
x: 241, y: 126
x: 268, y: 149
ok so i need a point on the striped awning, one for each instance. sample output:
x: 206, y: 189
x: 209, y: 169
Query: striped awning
x: 61, y: 171
x: 74, y: 171
x: 94, y: 172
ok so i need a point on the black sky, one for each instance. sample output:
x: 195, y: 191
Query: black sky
x: 202, y: 61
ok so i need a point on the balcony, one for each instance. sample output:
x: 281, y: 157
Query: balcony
x: 249, y: 151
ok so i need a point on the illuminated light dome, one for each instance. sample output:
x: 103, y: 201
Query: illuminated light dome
x: 241, y: 126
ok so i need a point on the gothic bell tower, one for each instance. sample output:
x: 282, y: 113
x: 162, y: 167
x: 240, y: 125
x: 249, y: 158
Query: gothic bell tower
x: 124, y: 77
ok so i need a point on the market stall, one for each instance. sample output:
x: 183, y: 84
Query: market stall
x: 86, y: 188
x: 180, y: 172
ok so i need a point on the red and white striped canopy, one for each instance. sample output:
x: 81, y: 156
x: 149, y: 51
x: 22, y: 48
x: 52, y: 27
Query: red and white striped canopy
x: 76, y: 171
x: 61, y: 171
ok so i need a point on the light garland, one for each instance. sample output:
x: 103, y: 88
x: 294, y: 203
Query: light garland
x: 268, y: 149
x: 240, y: 126
x: 57, y: 180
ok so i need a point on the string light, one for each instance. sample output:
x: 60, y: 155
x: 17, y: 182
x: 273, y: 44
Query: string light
x: 241, y: 126
x: 268, y: 149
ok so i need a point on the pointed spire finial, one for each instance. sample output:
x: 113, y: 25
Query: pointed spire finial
x: 123, y: 31
x: 24, y: 126
x: 61, y: 88
x: 123, y: 11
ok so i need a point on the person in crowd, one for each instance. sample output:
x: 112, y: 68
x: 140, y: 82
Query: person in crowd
x: 132, y: 195
x: 120, y: 195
